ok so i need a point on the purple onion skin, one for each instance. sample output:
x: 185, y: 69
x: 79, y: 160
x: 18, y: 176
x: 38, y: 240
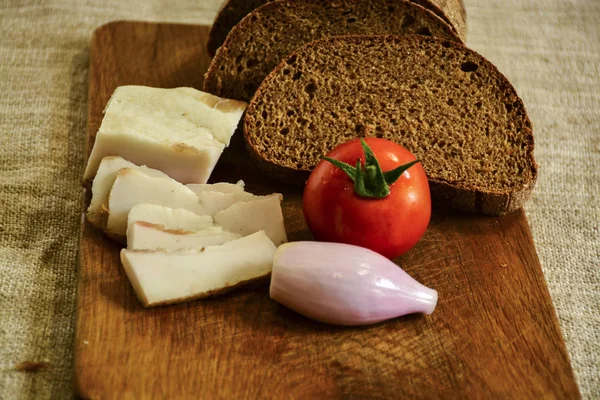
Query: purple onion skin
x: 341, y: 284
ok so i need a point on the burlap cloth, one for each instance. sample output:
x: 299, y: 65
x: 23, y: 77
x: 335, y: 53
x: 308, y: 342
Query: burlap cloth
x: 550, y: 50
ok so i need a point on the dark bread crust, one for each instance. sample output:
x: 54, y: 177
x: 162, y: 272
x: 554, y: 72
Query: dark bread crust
x: 479, y: 200
x: 451, y: 11
x: 452, y: 193
x: 262, y: 39
x: 233, y: 11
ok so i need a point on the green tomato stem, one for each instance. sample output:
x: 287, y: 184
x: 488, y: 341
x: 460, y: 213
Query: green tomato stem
x: 370, y: 181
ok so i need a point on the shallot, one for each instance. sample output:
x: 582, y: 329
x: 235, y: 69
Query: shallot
x: 343, y: 284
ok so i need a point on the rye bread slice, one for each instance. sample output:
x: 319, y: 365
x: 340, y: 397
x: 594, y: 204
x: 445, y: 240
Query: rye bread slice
x: 232, y: 12
x: 445, y: 103
x: 267, y: 35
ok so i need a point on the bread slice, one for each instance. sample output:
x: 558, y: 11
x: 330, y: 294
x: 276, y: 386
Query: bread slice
x: 229, y: 15
x: 267, y: 35
x: 451, y: 11
x: 232, y: 12
x: 447, y: 104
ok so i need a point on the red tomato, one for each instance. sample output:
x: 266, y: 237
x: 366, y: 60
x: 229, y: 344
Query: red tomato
x: 390, y: 225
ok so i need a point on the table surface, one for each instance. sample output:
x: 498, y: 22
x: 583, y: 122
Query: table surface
x: 550, y: 50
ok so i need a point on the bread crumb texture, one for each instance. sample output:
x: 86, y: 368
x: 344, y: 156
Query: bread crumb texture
x: 445, y: 103
x: 267, y: 35
x: 233, y: 11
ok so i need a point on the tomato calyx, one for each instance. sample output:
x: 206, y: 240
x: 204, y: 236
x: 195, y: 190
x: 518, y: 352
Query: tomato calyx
x: 370, y: 181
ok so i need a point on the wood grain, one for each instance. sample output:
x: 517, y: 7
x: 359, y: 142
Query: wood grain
x: 493, y: 335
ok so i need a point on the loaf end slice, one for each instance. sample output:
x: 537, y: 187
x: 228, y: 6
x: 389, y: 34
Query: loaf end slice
x: 445, y: 103
x: 232, y: 12
x: 267, y: 35
x: 451, y: 11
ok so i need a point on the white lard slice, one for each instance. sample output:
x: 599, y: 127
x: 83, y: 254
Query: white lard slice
x: 103, y: 182
x: 132, y: 187
x: 168, y: 218
x: 261, y: 213
x: 147, y: 236
x: 171, y: 277
x: 213, y: 202
x: 223, y: 187
x: 180, y: 131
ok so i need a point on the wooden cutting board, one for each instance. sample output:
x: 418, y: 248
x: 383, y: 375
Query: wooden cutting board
x: 494, y: 333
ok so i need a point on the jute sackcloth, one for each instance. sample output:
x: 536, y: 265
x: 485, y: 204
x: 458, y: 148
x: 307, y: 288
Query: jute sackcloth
x: 549, y: 49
